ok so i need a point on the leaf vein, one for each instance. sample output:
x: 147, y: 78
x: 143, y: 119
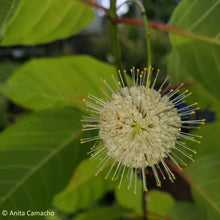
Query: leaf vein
x: 203, y: 16
x: 39, y: 165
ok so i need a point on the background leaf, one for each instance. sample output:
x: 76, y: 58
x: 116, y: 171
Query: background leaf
x: 7, y: 9
x: 37, y: 158
x: 63, y: 81
x: 55, y: 217
x: 159, y: 202
x: 204, y: 174
x: 176, y: 70
x: 130, y: 200
x: 6, y: 69
x: 107, y: 213
x: 43, y: 21
x: 127, y: 198
x: 200, y: 58
x: 184, y: 211
x: 84, y: 184
x: 210, y: 108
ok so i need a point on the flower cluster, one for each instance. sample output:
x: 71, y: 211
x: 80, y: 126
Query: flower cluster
x: 139, y: 127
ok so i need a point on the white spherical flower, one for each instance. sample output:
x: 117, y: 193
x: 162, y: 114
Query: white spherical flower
x: 139, y: 127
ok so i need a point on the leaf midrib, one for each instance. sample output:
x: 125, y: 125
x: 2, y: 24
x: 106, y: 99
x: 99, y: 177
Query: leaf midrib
x: 189, y: 33
x: 206, y: 197
x: 39, y: 165
x: 9, y: 12
x: 204, y: 15
x: 203, y: 193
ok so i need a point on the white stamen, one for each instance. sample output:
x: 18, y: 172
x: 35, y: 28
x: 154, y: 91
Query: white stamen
x: 95, y: 99
x: 113, y: 164
x: 181, y: 161
x: 168, y: 171
x: 119, y: 164
x: 187, y: 107
x: 163, y: 83
x: 184, y: 97
x: 184, y: 153
x: 130, y: 180
x: 84, y: 140
x: 155, y: 80
x: 99, y: 152
x: 122, y: 177
x: 106, y: 94
x: 180, y: 95
x: 175, y: 91
x: 135, y: 181
x: 106, y: 159
x: 184, y: 146
x: 156, y: 175
x: 189, y: 138
x: 144, y: 179
x: 158, y: 166
x: 175, y: 162
x: 122, y: 81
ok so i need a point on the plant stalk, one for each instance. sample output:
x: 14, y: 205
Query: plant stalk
x: 147, y: 36
x: 114, y: 38
x: 146, y: 31
x: 144, y: 205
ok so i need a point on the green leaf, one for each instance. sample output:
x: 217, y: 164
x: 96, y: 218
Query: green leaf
x: 210, y: 141
x: 7, y: 9
x: 206, y: 101
x: 37, y: 157
x: 43, y: 21
x: 130, y: 200
x: 159, y: 202
x: 60, y: 81
x: 200, y: 57
x: 55, y: 217
x: 210, y: 131
x: 204, y: 174
x: 84, y: 184
x: 127, y: 198
x: 177, y: 71
x: 3, y: 112
x: 107, y: 213
x: 6, y: 69
x: 202, y: 171
x: 184, y: 211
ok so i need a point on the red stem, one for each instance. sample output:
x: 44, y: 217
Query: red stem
x: 94, y: 4
x: 136, y: 22
x: 170, y: 29
x: 158, y: 26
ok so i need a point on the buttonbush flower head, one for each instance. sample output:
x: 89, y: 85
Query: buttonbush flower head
x: 138, y: 127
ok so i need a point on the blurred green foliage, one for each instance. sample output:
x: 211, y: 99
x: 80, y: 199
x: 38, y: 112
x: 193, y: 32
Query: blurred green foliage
x: 6, y: 70
x: 40, y: 153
